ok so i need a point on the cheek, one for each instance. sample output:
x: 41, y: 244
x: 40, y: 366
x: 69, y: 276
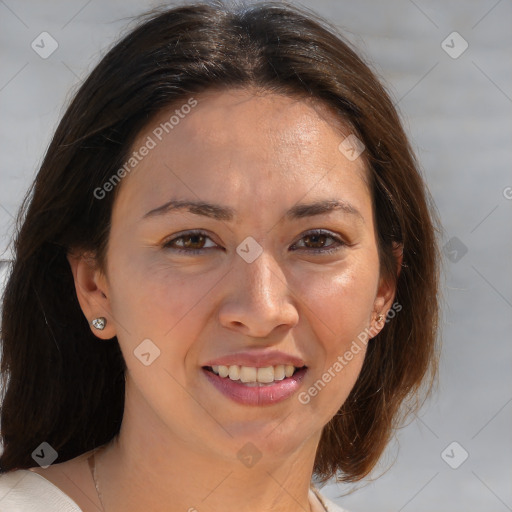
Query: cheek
x: 338, y: 303
x: 158, y: 304
x: 164, y: 304
x: 338, y: 311
x: 150, y: 295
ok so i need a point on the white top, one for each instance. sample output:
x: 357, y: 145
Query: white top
x: 25, y: 491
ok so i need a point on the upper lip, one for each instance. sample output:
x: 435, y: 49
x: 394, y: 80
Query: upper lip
x: 257, y: 359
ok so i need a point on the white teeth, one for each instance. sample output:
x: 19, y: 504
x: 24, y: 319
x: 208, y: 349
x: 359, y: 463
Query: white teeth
x: 266, y: 374
x: 248, y: 374
x: 234, y: 372
x: 251, y: 374
x: 279, y: 372
x: 288, y: 370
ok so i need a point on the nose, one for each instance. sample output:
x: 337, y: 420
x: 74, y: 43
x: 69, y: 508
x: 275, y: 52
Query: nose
x: 259, y: 299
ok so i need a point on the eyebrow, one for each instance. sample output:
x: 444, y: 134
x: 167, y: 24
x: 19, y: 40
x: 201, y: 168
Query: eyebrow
x: 226, y: 213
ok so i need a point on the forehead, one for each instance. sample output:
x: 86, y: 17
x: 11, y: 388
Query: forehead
x: 279, y: 118
x: 239, y: 141
x: 258, y: 120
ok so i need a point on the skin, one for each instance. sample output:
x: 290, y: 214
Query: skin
x: 260, y: 154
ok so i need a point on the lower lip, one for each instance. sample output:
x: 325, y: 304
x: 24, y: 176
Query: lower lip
x: 257, y: 395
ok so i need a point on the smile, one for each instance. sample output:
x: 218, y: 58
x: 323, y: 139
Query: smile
x: 251, y: 374
x: 242, y: 384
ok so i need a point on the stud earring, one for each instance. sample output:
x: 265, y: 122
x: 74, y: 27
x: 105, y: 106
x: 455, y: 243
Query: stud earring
x: 99, y: 323
x: 380, y: 318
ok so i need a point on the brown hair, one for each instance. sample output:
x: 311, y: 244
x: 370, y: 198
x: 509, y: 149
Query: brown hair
x: 62, y: 386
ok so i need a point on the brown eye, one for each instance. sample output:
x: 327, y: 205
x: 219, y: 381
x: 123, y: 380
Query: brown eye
x: 192, y: 242
x: 318, y: 241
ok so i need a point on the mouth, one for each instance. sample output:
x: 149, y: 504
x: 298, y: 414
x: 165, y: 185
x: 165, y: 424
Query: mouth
x: 251, y: 376
x: 256, y: 386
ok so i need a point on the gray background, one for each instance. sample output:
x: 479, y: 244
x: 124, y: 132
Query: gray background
x: 458, y: 113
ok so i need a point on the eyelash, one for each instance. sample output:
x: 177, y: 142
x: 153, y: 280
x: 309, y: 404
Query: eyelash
x: 328, y: 234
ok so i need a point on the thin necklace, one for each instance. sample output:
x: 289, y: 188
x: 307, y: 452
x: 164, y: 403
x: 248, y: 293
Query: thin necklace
x: 92, y: 465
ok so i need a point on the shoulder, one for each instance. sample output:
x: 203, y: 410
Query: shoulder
x: 330, y: 505
x: 25, y: 491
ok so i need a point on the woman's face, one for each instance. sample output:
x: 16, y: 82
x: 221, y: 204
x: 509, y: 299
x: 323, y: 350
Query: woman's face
x: 261, y: 272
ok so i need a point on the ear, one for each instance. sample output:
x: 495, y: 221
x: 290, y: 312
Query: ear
x: 387, y: 290
x: 92, y: 292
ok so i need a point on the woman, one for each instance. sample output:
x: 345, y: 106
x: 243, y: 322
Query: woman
x: 225, y: 276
